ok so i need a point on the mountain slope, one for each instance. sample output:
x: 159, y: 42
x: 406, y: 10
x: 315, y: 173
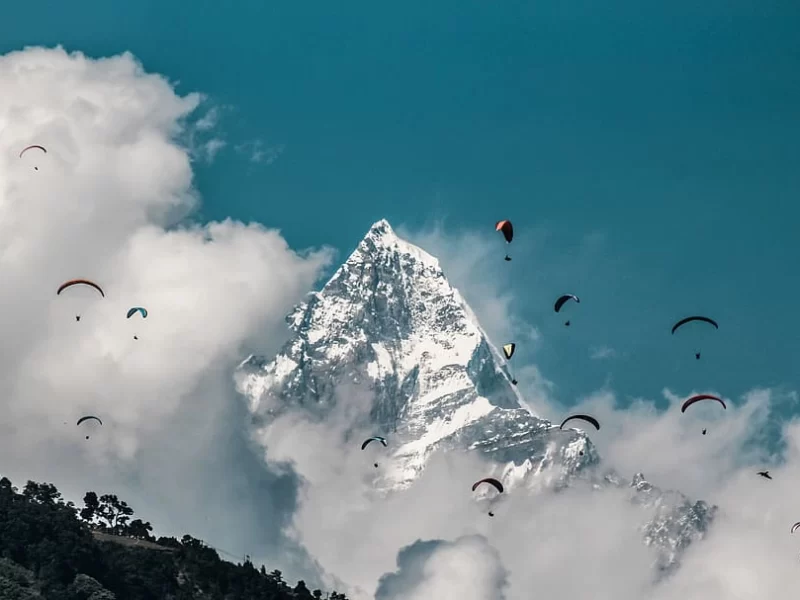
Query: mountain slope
x: 389, y: 325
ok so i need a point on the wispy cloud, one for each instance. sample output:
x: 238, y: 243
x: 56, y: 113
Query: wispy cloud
x: 602, y: 353
x: 257, y: 151
x: 209, y: 120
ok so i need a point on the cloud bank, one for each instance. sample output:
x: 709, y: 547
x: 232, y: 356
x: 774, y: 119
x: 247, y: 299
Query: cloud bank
x: 111, y: 201
x: 577, y: 543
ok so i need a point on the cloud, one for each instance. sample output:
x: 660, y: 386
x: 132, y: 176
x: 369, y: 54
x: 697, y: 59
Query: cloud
x: 209, y: 120
x: 258, y: 152
x: 211, y: 148
x: 110, y: 202
x: 575, y: 543
x: 602, y: 353
x: 467, y: 568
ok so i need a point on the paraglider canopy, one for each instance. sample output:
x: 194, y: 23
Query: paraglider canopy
x: 24, y: 150
x: 508, y: 350
x: 795, y: 527
x: 491, y: 481
x: 563, y: 299
x: 72, y: 282
x: 506, y: 228
x: 587, y: 418
x: 139, y: 309
x: 694, y: 318
x: 88, y: 418
x: 683, y: 322
x: 700, y: 397
x: 373, y: 439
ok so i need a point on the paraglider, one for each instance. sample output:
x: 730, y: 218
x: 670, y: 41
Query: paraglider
x: 133, y: 311
x: 507, y: 230
x: 682, y: 322
x: 700, y: 397
x: 795, y: 527
x: 765, y: 474
x: 87, y: 418
x: 562, y: 300
x: 24, y: 150
x: 72, y: 282
x: 374, y: 439
x: 587, y: 418
x: 686, y: 320
x: 508, y: 350
x: 704, y: 431
x: 489, y: 481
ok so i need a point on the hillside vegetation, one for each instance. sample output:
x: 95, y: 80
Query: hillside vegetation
x: 49, y: 549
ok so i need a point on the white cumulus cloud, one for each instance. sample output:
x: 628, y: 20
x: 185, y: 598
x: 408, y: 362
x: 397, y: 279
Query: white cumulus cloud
x: 108, y: 201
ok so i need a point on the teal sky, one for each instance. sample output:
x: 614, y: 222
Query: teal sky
x: 647, y: 152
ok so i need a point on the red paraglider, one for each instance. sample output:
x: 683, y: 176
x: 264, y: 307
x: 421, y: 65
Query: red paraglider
x: 72, y: 282
x: 700, y: 397
x: 507, y: 230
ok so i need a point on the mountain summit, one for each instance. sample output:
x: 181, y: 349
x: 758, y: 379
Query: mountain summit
x: 390, y: 318
x: 389, y: 324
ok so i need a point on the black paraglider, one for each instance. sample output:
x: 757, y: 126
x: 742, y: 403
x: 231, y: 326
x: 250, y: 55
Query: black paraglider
x: 587, y: 418
x: 376, y: 438
x: 88, y: 418
x: 704, y: 431
x: 691, y: 319
x: 563, y: 300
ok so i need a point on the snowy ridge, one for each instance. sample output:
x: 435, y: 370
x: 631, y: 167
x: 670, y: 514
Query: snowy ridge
x: 389, y: 330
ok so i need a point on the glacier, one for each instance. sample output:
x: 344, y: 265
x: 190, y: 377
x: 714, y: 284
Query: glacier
x: 388, y: 323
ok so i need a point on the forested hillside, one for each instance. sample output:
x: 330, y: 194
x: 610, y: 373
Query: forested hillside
x: 52, y: 550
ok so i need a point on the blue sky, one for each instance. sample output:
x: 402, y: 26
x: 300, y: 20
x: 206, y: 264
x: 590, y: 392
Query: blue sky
x: 646, y: 152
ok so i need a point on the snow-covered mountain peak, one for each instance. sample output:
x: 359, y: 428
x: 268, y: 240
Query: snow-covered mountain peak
x: 390, y: 344
x: 390, y: 322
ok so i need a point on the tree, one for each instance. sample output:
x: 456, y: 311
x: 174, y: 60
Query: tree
x: 47, y: 552
x: 90, y: 507
x: 115, y: 512
x: 41, y: 493
x: 140, y: 529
